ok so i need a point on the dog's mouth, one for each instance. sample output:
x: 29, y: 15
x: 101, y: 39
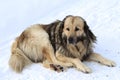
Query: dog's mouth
x: 72, y: 40
x: 75, y: 40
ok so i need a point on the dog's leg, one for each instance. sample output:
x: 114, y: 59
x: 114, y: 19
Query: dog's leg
x: 75, y: 61
x: 100, y: 59
x: 50, y: 56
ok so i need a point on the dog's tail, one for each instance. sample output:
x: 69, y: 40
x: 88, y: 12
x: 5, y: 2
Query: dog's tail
x: 18, y: 60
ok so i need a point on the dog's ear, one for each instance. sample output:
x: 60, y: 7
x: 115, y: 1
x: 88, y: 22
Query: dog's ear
x: 89, y: 33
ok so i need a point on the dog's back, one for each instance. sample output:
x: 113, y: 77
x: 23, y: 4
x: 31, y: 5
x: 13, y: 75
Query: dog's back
x: 28, y: 47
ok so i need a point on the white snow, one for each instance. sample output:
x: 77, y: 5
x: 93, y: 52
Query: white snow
x: 102, y: 16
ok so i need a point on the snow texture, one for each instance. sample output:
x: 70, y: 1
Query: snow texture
x: 102, y: 16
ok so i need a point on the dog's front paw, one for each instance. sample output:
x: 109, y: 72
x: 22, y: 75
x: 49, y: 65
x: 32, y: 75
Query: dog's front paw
x: 108, y: 63
x: 57, y: 68
x: 84, y: 69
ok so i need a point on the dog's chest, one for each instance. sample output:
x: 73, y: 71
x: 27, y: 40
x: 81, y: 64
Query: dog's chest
x: 77, y: 51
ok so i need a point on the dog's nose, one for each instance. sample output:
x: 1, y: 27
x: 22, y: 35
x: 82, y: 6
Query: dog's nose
x: 71, y: 40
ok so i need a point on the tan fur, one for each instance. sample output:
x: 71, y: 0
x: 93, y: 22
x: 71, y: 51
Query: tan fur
x: 72, y: 23
x: 79, y: 54
x: 100, y: 59
x: 75, y: 61
x: 35, y: 45
x: 18, y: 60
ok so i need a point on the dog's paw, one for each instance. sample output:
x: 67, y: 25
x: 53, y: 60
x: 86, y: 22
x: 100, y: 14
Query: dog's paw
x: 108, y: 63
x: 57, y: 68
x: 84, y: 69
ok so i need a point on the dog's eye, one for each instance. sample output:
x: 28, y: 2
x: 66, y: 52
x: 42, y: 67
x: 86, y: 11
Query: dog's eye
x: 76, y: 29
x: 67, y: 29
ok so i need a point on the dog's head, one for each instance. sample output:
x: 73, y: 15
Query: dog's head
x: 75, y: 29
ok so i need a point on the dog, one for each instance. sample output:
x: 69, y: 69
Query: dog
x: 58, y: 45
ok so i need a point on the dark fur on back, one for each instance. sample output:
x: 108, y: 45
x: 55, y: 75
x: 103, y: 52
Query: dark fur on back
x: 55, y: 34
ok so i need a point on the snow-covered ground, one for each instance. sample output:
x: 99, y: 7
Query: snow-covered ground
x: 103, y: 17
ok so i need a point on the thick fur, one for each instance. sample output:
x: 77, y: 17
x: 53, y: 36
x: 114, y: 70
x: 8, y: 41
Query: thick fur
x: 62, y: 43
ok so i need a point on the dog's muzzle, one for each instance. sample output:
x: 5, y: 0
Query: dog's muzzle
x: 75, y: 40
x: 72, y: 40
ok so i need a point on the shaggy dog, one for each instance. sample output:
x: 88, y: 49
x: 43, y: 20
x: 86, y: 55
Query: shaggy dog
x: 60, y: 44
